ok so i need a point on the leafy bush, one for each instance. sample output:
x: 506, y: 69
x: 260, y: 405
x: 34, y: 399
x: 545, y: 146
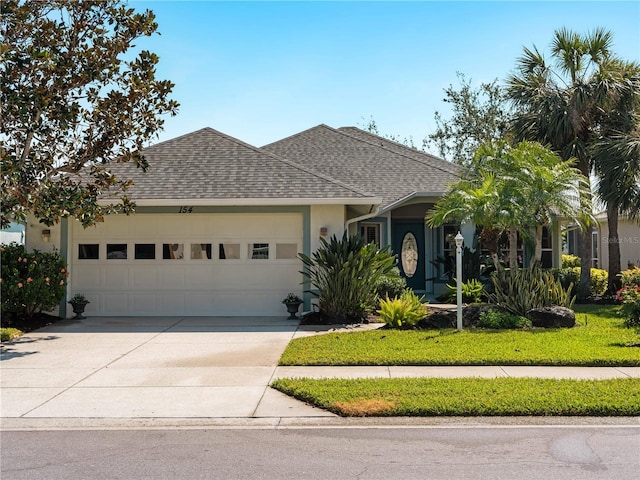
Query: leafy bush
x: 497, y: 320
x: 345, y: 274
x: 472, y: 291
x: 391, y: 285
x: 631, y: 277
x: 629, y: 295
x: 31, y: 282
x: 521, y: 290
x: 404, y: 311
x: 7, y: 334
x: 570, y: 261
x: 571, y: 275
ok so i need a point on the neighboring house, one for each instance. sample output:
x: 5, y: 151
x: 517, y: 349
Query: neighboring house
x: 628, y: 239
x: 219, y: 223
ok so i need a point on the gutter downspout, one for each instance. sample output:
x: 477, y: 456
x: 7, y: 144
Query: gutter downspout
x: 373, y: 212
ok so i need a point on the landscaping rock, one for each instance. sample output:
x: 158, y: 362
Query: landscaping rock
x: 552, y: 317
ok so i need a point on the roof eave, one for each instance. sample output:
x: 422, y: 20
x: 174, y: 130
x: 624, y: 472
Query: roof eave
x: 215, y: 202
x: 401, y: 201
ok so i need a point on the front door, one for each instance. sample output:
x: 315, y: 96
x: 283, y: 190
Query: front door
x: 408, y: 245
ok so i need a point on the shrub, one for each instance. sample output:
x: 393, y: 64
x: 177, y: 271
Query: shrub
x: 571, y: 275
x: 345, y: 274
x: 498, y: 320
x: 7, y: 334
x: 31, y: 282
x: 472, y: 291
x: 521, y: 290
x: 570, y: 261
x: 631, y: 277
x: 629, y: 295
x: 391, y: 285
x: 404, y: 311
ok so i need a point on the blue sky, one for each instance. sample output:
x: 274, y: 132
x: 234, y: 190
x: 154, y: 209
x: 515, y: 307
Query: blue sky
x: 261, y: 71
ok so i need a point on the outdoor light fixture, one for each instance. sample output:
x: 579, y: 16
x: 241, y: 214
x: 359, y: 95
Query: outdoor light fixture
x: 46, y: 235
x: 459, y: 242
x: 323, y: 231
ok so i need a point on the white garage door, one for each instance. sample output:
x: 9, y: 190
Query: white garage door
x: 188, y: 264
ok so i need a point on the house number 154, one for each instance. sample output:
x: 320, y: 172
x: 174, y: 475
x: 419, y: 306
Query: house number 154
x: 185, y: 210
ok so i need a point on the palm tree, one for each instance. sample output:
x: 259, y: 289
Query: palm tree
x: 549, y: 188
x: 560, y: 103
x: 616, y: 158
x: 521, y: 189
x: 618, y: 169
x: 477, y: 200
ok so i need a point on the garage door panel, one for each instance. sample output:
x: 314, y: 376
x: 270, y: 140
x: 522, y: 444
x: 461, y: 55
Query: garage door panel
x: 88, y: 276
x: 198, y: 286
x: 116, y: 277
x: 144, y: 277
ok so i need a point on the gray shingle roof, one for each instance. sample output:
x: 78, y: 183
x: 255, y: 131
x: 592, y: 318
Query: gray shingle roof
x: 208, y: 164
x: 367, y: 161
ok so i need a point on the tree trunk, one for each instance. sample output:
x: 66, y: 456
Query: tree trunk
x: 613, y: 250
x: 584, y: 286
x: 513, y: 248
x: 537, y: 254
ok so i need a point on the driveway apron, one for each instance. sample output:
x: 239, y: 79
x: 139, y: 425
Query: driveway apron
x: 149, y: 367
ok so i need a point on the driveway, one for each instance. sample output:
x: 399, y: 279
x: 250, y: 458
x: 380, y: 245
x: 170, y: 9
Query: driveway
x: 141, y: 368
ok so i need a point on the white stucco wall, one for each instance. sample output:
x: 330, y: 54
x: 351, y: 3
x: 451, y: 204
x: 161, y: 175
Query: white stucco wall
x: 629, y: 239
x: 332, y: 217
x: 33, y: 236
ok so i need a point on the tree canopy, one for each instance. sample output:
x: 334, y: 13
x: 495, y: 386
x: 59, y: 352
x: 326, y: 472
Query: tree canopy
x: 479, y: 116
x: 75, y: 97
x: 571, y: 102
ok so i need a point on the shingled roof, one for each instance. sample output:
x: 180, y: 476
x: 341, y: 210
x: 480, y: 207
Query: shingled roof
x: 368, y: 162
x: 209, y: 165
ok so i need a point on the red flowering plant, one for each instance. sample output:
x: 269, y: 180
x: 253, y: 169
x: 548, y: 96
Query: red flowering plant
x: 31, y: 282
x: 629, y: 295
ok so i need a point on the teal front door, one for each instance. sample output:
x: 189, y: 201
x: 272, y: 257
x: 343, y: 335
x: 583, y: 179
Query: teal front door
x: 408, y: 245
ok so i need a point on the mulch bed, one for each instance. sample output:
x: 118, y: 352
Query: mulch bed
x: 28, y: 324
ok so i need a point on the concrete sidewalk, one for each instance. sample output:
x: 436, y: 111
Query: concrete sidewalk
x: 184, y: 371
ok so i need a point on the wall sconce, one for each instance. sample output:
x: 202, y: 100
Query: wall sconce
x: 46, y: 235
x: 323, y: 231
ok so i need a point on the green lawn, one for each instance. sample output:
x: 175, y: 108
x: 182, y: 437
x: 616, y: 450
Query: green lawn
x: 467, y: 396
x: 601, y: 339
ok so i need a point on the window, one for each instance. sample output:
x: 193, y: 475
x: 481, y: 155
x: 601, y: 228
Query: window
x: 259, y: 251
x: 200, y: 251
x: 371, y: 233
x: 116, y: 251
x: 286, y: 251
x: 172, y: 251
x: 547, y: 250
x: 145, y: 251
x: 229, y: 251
x: 88, y: 251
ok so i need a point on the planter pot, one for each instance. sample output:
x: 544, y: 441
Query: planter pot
x: 78, y: 309
x: 292, y: 309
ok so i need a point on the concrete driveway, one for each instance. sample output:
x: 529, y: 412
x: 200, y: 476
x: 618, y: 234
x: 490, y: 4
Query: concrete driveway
x: 137, y: 368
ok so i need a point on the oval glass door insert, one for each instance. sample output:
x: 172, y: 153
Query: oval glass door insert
x: 409, y: 254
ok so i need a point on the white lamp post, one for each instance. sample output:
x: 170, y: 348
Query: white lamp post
x: 459, y: 242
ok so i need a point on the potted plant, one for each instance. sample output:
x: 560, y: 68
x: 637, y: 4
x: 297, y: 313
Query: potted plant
x: 78, y: 302
x: 292, y: 301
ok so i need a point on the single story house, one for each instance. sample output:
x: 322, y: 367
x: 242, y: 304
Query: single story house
x: 628, y: 239
x: 219, y: 222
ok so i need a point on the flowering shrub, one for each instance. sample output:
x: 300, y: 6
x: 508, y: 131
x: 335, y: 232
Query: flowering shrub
x: 629, y: 295
x: 31, y: 282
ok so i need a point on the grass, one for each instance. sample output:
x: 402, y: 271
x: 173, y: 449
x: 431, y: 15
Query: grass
x: 467, y: 396
x: 601, y: 339
x: 7, y: 334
